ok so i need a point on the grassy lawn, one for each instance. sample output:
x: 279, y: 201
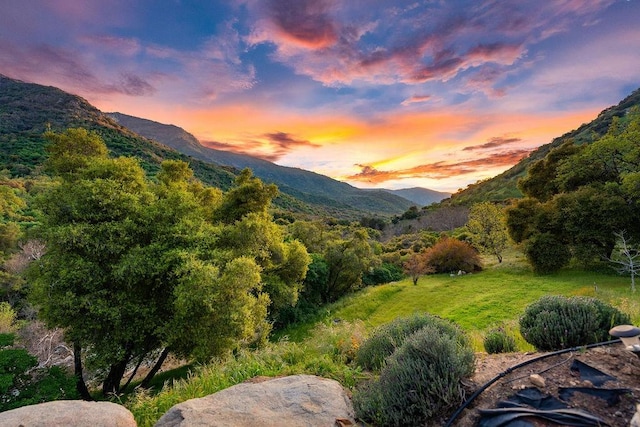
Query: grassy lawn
x: 477, y: 302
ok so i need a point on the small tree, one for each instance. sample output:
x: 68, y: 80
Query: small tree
x: 627, y: 259
x: 488, y: 229
x: 416, y: 266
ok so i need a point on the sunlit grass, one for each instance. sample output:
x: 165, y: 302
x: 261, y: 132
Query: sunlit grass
x: 325, y: 346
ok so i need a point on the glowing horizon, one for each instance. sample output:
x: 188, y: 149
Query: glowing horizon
x: 396, y: 96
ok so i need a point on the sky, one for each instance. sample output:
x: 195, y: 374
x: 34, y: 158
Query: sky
x: 377, y: 93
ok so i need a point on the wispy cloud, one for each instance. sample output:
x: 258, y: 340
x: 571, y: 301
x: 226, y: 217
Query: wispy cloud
x: 439, y: 170
x: 497, y: 141
x: 270, y: 146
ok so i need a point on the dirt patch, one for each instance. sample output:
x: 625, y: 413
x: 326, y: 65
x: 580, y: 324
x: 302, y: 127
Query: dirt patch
x: 556, y: 372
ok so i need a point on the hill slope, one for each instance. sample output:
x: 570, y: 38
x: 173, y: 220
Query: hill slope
x: 504, y: 186
x: 304, y: 185
x: 421, y: 196
x: 27, y: 110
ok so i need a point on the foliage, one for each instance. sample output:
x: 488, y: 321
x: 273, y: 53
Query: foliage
x: 21, y: 383
x: 387, y: 338
x: 420, y: 381
x: 546, y: 253
x: 450, y: 254
x: 555, y: 322
x: 416, y: 265
x: 384, y: 273
x: 579, y: 196
x: 487, y: 228
x: 498, y: 341
x: 139, y: 266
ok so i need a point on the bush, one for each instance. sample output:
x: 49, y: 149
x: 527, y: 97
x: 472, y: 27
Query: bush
x: 421, y: 380
x: 388, y: 337
x: 546, y: 253
x: 556, y: 322
x: 21, y: 383
x: 498, y: 341
x: 450, y: 254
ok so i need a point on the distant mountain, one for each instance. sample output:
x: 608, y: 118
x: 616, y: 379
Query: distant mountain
x: 27, y: 110
x: 421, y: 196
x: 307, y: 186
x: 504, y: 186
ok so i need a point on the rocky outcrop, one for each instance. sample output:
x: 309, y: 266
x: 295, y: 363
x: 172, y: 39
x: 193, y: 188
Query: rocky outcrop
x: 298, y: 400
x: 69, y: 413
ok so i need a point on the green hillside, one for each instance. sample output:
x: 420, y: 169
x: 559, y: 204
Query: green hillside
x: 27, y: 110
x: 504, y: 186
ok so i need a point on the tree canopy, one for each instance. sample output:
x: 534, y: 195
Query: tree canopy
x: 135, y: 266
x: 578, y: 197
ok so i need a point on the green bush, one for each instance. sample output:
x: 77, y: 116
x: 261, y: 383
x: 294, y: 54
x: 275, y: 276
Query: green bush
x: 557, y: 322
x: 546, y: 253
x: 420, y: 381
x: 388, y: 337
x: 498, y: 341
x: 21, y: 383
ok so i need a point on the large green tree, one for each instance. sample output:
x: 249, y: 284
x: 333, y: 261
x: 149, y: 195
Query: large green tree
x: 137, y: 267
x: 488, y: 229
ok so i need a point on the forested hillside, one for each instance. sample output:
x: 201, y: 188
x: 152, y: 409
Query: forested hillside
x: 504, y: 186
x: 28, y: 110
x: 310, y: 187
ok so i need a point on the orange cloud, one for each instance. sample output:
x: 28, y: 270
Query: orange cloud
x: 439, y: 170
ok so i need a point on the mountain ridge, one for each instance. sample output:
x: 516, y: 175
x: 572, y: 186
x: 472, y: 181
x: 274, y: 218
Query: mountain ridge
x: 300, y: 183
x: 27, y: 110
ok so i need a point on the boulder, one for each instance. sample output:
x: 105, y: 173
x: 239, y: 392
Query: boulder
x: 69, y: 413
x: 297, y: 400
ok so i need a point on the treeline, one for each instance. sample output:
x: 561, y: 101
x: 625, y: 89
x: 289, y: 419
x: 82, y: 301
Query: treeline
x: 579, y: 198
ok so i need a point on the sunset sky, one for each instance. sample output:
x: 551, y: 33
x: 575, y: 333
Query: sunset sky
x: 377, y: 93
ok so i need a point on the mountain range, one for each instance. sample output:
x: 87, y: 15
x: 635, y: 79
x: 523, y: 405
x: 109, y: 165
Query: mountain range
x: 298, y: 182
x: 27, y: 110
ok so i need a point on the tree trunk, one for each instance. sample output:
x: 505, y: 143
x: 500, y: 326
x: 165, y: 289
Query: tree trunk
x: 77, y: 366
x: 145, y: 382
x: 111, y: 384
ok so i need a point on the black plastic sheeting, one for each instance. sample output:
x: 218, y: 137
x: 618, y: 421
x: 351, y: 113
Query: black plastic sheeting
x: 588, y: 373
x: 531, y: 403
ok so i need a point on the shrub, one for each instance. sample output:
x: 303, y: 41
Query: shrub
x: 387, y: 338
x: 498, y: 341
x: 421, y: 380
x: 451, y: 254
x: 557, y: 322
x: 546, y: 253
x: 21, y: 383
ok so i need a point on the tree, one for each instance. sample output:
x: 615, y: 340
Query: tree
x: 135, y: 267
x: 488, y: 230
x: 627, y: 258
x: 416, y: 266
x: 347, y: 260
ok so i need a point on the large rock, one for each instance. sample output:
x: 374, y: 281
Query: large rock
x: 77, y: 413
x: 298, y: 400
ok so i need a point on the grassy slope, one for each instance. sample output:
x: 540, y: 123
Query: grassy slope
x: 325, y: 347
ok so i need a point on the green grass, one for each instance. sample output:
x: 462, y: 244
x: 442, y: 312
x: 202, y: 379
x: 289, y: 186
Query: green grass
x: 326, y: 346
